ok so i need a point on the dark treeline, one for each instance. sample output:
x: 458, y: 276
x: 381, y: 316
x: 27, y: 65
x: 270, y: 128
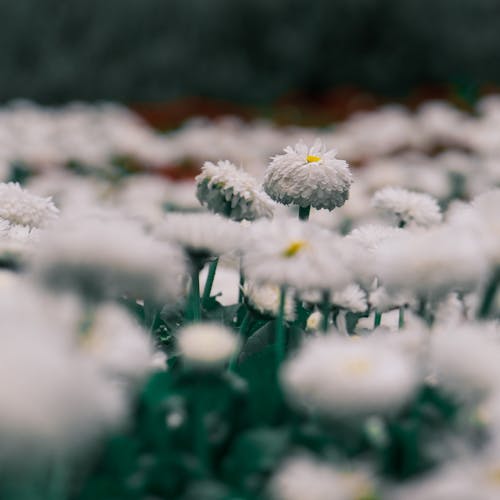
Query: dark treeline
x: 249, y: 51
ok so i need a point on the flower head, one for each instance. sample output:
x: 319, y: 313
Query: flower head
x: 228, y: 190
x: 339, y: 377
x: 308, y: 176
x: 20, y: 207
x: 207, y: 345
x: 409, y: 208
x: 289, y: 252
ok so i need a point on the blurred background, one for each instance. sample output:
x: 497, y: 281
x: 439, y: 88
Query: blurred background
x: 297, y: 61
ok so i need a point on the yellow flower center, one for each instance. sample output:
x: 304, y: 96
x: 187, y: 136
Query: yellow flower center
x: 294, y: 247
x: 358, y: 366
x: 312, y: 158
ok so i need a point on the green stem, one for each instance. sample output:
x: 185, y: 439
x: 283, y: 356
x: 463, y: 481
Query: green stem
x: 489, y: 295
x: 280, y: 341
x: 243, y: 331
x: 200, y: 435
x: 304, y: 212
x: 195, y: 309
x: 401, y: 317
x: 212, y: 268
x: 325, y: 311
x: 377, y: 319
x: 241, y: 286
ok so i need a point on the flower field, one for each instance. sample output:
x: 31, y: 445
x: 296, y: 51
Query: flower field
x: 315, y: 315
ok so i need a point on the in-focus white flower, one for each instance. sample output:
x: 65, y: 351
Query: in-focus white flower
x: 207, y: 345
x: 20, y: 207
x: 409, y: 208
x: 341, y: 377
x: 294, y: 253
x: 266, y: 299
x: 304, y: 477
x: 465, y: 361
x: 201, y: 234
x: 108, y: 260
x: 117, y: 343
x: 308, y: 176
x: 431, y: 263
x: 230, y: 191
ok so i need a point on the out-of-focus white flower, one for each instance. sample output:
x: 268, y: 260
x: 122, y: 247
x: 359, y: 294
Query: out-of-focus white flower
x: 314, y: 321
x: 17, y: 242
x: 228, y: 190
x: 108, y: 260
x: 202, y: 234
x: 370, y: 236
x: 308, y: 176
x: 432, y: 263
x: 352, y: 298
x: 294, y: 253
x: 465, y: 361
x: 266, y: 299
x: 302, y: 477
x: 342, y: 377
x: 409, y: 208
x: 20, y: 207
x: 207, y: 345
x: 117, y: 343
x: 382, y: 300
x: 52, y: 399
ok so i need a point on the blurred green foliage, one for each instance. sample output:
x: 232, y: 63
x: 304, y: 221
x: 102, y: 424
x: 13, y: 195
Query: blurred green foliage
x: 250, y: 51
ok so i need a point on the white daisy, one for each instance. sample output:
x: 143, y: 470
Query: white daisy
x: 308, y: 176
x: 207, y: 345
x: 202, y: 234
x: 303, y: 476
x: 108, y: 259
x: 294, y: 253
x: 341, y: 377
x: 117, y: 343
x: 431, y: 263
x: 20, y: 207
x: 465, y: 361
x: 266, y: 299
x: 228, y: 190
x: 409, y: 208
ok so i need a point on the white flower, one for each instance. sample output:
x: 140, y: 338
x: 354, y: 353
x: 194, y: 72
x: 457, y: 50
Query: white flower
x: 228, y: 190
x: 409, y: 208
x: 294, y: 253
x: 108, y: 259
x: 304, y: 477
x: 20, y: 207
x: 431, y: 263
x: 308, y: 176
x: 351, y: 298
x: 52, y: 399
x: 370, y: 236
x: 266, y: 299
x: 465, y: 361
x: 207, y: 345
x: 117, y: 343
x: 340, y: 376
x: 202, y: 234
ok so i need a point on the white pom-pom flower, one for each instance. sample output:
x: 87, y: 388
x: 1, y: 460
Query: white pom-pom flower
x: 340, y: 377
x: 409, y: 208
x: 228, y: 190
x: 20, y: 207
x: 294, y: 253
x: 108, y: 260
x: 308, y: 176
x: 266, y: 299
x: 304, y: 476
x: 207, y: 345
x: 201, y: 234
x: 431, y: 263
